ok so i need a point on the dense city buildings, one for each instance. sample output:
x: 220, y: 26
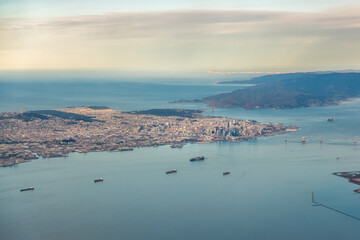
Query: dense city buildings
x: 55, y: 133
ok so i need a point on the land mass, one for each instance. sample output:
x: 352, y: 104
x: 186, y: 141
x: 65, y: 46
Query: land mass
x: 291, y: 91
x: 169, y: 112
x: 283, y: 76
x: 352, y: 177
x: 55, y: 133
x: 270, y: 78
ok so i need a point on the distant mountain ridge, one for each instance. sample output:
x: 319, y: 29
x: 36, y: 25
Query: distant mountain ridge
x: 283, y: 76
x: 291, y: 91
x: 269, y: 78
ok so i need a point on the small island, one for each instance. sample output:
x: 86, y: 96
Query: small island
x: 55, y: 133
x: 293, y: 90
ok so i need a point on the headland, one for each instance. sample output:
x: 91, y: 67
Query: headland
x: 285, y: 91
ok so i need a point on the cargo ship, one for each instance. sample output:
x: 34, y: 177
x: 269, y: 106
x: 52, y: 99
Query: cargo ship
x: 98, y: 180
x: 27, y: 189
x: 200, y: 158
x: 171, y: 171
x: 226, y: 173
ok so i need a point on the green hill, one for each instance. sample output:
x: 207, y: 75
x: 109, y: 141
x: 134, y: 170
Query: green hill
x: 292, y: 91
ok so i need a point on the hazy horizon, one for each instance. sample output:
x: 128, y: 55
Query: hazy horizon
x: 174, y: 36
x: 209, y: 77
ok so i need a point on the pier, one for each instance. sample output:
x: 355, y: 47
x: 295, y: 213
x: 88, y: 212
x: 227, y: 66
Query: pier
x: 330, y: 208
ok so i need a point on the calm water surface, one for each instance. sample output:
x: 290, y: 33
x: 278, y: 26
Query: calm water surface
x: 266, y: 196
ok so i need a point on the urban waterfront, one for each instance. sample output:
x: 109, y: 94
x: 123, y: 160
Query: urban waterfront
x: 266, y: 196
x: 55, y: 133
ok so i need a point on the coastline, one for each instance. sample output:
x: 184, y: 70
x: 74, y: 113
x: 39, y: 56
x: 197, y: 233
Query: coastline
x: 56, y: 133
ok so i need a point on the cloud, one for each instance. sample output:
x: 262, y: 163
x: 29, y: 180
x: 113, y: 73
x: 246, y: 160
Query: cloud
x: 199, y: 39
x: 146, y: 24
x: 184, y: 22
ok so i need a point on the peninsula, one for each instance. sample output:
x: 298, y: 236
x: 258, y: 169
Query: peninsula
x: 55, y: 133
x: 352, y: 177
x: 291, y: 91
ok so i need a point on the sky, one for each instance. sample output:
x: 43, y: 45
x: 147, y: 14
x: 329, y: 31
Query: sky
x: 212, y: 36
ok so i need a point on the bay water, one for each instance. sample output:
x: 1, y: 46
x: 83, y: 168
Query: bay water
x: 266, y: 196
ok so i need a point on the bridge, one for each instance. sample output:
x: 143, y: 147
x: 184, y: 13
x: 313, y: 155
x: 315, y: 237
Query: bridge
x: 320, y: 139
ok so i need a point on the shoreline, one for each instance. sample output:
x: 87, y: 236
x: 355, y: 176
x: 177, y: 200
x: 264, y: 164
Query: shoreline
x: 56, y: 133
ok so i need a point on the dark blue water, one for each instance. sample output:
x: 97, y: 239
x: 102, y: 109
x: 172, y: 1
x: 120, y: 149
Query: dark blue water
x: 117, y: 95
x: 266, y: 196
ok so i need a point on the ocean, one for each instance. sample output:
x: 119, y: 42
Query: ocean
x: 266, y: 196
